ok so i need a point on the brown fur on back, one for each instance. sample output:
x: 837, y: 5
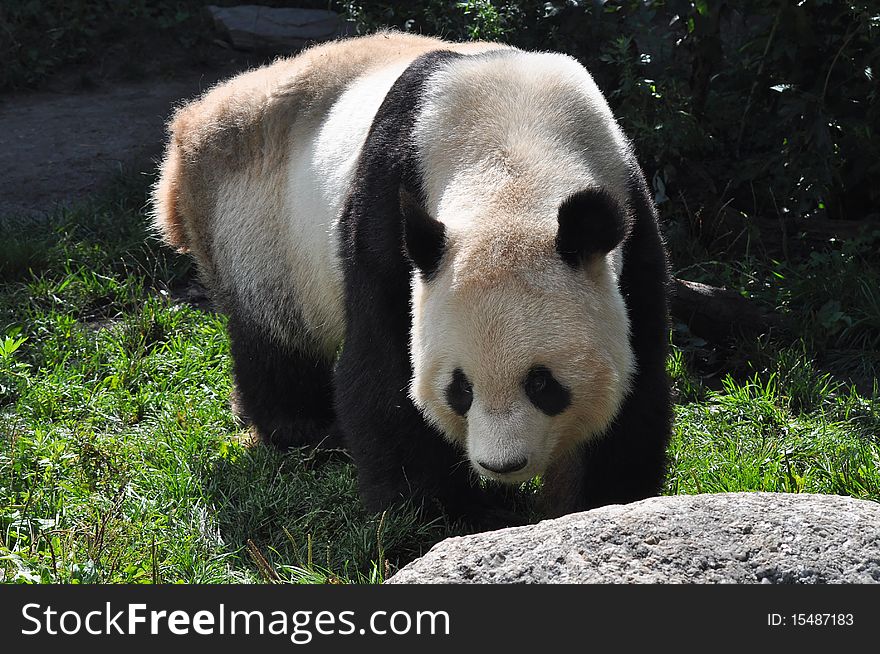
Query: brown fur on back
x: 245, y: 123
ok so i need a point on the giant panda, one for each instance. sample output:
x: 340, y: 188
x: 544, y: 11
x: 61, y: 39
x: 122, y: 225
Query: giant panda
x: 442, y: 257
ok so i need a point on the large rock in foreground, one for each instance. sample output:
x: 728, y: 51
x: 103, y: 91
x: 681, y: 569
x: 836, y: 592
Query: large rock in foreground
x: 723, y: 538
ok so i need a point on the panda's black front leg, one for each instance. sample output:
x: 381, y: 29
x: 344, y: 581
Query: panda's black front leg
x: 399, y: 457
x: 629, y: 462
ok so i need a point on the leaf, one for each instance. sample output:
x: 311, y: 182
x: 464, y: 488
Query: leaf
x: 10, y: 344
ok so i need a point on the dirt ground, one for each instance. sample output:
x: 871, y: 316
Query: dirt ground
x: 64, y: 144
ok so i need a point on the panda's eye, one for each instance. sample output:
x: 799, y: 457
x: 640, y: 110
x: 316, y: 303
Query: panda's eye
x: 460, y: 393
x: 545, y: 392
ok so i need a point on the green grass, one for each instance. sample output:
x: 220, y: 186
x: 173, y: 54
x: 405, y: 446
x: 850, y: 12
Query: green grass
x: 120, y: 460
x: 783, y: 433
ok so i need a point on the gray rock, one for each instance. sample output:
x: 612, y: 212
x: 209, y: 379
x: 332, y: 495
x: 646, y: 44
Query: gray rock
x: 724, y: 538
x: 252, y: 27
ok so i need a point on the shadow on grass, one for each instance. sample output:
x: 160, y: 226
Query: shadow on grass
x: 297, y: 517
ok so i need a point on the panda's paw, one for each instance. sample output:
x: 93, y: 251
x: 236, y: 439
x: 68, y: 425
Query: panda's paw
x: 287, y: 435
x: 485, y: 516
x: 494, y: 519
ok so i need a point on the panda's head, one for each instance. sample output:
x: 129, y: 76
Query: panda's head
x: 520, y: 337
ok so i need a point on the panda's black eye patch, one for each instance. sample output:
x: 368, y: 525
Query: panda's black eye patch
x: 460, y: 392
x: 545, y: 392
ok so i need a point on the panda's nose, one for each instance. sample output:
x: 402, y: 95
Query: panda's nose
x: 504, y: 468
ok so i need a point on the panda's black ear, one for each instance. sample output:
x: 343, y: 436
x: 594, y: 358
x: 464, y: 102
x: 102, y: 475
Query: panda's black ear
x: 424, y: 237
x: 591, y: 222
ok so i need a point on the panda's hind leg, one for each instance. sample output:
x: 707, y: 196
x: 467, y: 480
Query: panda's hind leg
x: 283, y: 392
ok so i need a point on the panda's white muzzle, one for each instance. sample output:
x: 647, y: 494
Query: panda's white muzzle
x: 505, y: 446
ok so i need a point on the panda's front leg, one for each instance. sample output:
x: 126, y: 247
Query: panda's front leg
x: 399, y: 457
